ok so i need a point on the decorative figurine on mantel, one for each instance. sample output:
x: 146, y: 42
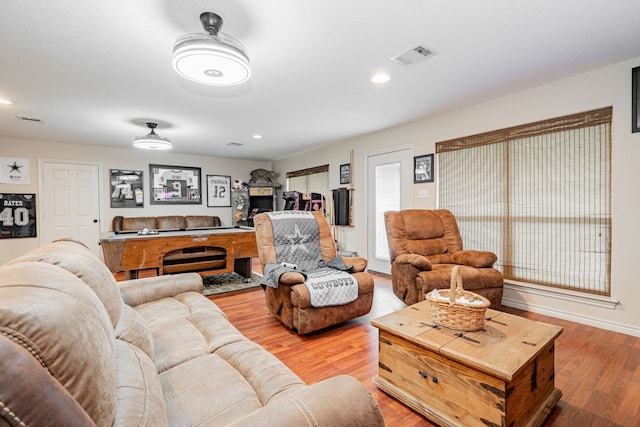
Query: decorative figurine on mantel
x: 263, y: 178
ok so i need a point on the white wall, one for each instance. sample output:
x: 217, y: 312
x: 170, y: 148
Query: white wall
x: 609, y: 86
x: 114, y: 158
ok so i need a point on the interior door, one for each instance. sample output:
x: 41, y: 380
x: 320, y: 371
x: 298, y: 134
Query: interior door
x: 70, y: 202
x: 389, y: 179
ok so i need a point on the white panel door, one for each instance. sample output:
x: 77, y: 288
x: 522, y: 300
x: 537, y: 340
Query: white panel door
x: 70, y: 203
x: 389, y: 180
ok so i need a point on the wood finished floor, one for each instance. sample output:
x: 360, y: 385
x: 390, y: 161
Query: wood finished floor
x: 597, y: 371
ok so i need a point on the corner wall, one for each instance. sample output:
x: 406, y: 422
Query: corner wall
x: 608, y: 86
x: 115, y: 158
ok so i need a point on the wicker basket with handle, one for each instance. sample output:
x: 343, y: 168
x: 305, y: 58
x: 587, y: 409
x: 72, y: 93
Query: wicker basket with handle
x: 454, y: 314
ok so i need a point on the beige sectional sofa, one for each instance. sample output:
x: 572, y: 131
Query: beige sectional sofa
x: 79, y: 348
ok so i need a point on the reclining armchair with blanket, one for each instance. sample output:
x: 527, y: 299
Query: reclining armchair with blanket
x: 425, y: 245
x: 307, y: 286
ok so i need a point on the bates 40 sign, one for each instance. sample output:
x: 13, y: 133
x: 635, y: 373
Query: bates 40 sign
x: 17, y: 215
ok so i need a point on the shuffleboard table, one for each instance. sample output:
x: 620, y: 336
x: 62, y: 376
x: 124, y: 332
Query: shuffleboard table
x: 207, y: 251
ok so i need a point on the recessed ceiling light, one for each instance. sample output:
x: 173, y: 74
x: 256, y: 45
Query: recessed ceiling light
x: 380, y: 78
x: 5, y: 102
x: 256, y: 136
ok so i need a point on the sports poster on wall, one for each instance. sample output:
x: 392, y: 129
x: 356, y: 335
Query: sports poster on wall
x: 126, y: 189
x: 17, y: 215
x: 175, y: 185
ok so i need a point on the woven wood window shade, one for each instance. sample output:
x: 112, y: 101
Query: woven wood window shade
x: 538, y: 195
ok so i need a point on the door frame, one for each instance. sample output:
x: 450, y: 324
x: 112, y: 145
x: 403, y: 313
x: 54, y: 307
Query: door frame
x: 99, y: 190
x: 406, y: 204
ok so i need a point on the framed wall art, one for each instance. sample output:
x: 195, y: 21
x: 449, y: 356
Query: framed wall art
x: 175, y: 185
x: 635, y: 100
x: 17, y: 215
x: 218, y: 190
x: 14, y: 171
x: 423, y: 169
x: 345, y: 173
x: 126, y: 189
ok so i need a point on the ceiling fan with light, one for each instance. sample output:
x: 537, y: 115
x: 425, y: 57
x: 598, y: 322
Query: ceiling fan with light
x: 214, y: 58
x: 152, y: 141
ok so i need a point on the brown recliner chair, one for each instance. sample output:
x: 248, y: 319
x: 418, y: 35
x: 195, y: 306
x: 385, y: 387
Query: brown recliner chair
x: 290, y: 302
x: 425, y: 245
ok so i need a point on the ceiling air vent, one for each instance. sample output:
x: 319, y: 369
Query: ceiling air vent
x: 29, y: 119
x: 413, y: 56
x: 235, y: 144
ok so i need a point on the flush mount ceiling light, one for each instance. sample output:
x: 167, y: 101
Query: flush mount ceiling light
x: 152, y: 141
x: 215, y: 58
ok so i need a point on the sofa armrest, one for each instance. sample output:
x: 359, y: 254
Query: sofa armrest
x: 116, y: 223
x: 359, y: 264
x: 139, y: 291
x: 339, y: 401
x: 477, y: 259
x: 418, y: 261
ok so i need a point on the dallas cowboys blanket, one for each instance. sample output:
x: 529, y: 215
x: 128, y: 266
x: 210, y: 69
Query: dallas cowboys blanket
x: 297, y: 245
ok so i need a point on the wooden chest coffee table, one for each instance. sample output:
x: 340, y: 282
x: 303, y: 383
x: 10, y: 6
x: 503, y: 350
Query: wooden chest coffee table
x: 501, y: 375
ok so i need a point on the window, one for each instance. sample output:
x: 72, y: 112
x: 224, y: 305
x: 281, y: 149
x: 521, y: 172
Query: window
x: 387, y: 198
x: 539, y: 196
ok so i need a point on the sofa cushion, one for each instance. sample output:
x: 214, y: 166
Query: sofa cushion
x: 132, y: 328
x: 185, y: 327
x: 77, y: 259
x: 206, y: 391
x: 172, y: 222
x: 139, y: 393
x: 198, y: 221
x: 63, y: 324
x: 267, y: 375
x: 138, y: 223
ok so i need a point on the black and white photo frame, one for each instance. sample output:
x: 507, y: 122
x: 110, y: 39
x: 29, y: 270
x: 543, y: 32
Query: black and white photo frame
x: 345, y: 173
x: 423, y: 169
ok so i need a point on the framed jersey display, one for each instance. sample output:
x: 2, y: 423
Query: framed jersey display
x: 17, y: 215
x: 175, y: 185
x: 126, y: 189
x: 218, y: 190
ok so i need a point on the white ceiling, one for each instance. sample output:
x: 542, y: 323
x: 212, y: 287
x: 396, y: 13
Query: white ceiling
x: 95, y: 71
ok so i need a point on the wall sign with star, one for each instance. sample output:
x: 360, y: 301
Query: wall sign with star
x: 17, y: 215
x: 14, y: 171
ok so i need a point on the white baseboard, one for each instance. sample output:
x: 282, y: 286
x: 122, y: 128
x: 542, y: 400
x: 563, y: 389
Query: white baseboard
x: 585, y: 320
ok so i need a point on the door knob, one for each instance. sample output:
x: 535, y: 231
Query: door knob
x: 95, y: 220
